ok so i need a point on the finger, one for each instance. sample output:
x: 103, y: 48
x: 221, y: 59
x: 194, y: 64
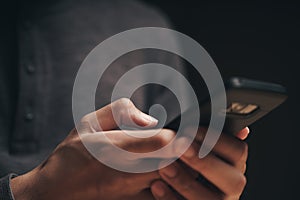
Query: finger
x: 127, y: 114
x: 232, y: 150
x: 138, y: 181
x: 145, y: 194
x: 104, y: 143
x: 185, y: 184
x: 120, y: 112
x: 158, y: 140
x: 189, y: 170
x: 161, y: 191
x: 227, y: 178
x: 243, y: 134
x: 229, y: 148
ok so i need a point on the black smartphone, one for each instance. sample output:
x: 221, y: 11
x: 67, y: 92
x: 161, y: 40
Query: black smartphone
x: 247, y: 101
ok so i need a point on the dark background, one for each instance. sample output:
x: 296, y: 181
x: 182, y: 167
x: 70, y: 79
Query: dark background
x: 257, y: 40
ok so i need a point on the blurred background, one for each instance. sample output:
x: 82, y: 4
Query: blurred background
x: 258, y: 40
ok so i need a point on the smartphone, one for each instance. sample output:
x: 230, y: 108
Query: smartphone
x: 247, y: 101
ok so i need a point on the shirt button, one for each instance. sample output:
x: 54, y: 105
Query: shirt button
x: 29, y: 116
x: 30, y: 69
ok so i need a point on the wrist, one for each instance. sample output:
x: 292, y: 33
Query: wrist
x: 24, y: 187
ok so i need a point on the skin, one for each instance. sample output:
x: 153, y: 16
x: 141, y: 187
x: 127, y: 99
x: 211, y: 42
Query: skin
x: 71, y: 172
x: 223, y: 168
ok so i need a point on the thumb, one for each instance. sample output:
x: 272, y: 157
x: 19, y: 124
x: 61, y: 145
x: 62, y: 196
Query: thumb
x: 120, y: 112
x: 125, y: 113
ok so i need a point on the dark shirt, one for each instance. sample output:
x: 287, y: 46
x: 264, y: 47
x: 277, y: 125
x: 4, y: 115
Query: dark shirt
x: 43, y: 44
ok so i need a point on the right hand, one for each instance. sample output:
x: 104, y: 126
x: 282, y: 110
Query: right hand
x: 71, y: 172
x: 222, y: 171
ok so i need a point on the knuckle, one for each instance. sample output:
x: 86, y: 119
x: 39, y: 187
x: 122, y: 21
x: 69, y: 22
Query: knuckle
x: 85, y: 118
x: 123, y: 107
x: 87, y: 121
x: 124, y: 102
x: 239, y: 186
x: 73, y: 133
x: 84, y: 126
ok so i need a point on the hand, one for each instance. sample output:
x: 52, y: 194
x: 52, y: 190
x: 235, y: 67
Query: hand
x: 72, y: 173
x: 223, y: 170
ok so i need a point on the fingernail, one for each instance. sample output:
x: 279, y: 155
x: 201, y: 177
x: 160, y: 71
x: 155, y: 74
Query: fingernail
x: 152, y: 119
x: 149, y: 118
x: 243, y: 134
x: 170, y: 171
x: 248, y: 130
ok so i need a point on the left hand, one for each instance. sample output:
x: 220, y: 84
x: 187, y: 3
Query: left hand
x: 223, y: 168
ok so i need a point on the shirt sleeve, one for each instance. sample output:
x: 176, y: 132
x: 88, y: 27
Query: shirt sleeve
x: 5, y: 190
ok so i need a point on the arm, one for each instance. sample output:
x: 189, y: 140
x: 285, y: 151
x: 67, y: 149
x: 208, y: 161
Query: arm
x: 72, y: 173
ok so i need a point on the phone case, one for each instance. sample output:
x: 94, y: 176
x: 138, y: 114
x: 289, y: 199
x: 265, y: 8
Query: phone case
x: 247, y: 101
